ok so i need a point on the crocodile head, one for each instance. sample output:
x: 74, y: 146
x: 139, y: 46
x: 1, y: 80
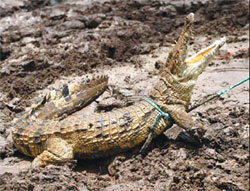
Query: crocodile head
x: 195, y: 65
x: 181, y: 73
x: 191, y: 69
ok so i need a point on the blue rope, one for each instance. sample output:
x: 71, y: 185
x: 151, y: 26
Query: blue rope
x: 233, y: 86
x: 161, y: 113
x: 159, y: 116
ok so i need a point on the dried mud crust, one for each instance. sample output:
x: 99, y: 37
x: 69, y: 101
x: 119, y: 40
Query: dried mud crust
x: 40, y: 43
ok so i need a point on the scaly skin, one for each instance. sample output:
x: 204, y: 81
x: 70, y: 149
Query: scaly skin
x: 53, y: 138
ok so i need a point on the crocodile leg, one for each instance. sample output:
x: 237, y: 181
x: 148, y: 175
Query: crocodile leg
x: 185, y: 121
x: 180, y: 117
x: 58, y: 151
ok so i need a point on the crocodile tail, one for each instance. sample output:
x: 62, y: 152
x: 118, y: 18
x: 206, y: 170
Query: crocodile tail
x: 69, y: 98
x: 31, y: 130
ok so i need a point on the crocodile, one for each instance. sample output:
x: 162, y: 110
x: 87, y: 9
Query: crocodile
x: 51, y: 137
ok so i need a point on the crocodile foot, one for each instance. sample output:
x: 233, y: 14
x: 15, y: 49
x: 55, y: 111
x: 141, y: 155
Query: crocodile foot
x: 194, y: 135
x: 58, y: 152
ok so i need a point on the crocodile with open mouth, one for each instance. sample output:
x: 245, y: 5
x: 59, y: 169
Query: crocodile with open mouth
x: 46, y: 133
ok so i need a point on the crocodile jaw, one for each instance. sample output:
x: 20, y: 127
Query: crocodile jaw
x: 196, y: 64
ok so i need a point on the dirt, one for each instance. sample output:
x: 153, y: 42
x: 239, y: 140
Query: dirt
x: 44, y: 44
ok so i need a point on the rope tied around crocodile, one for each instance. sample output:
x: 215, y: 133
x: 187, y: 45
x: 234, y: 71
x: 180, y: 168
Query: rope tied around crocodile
x: 161, y: 114
x: 166, y: 116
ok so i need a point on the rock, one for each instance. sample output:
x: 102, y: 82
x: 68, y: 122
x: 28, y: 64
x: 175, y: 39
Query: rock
x: 27, y: 40
x: 3, y: 143
x: 82, y: 187
x: 57, y: 14
x: 74, y: 24
x: 84, y: 48
x: 11, y: 3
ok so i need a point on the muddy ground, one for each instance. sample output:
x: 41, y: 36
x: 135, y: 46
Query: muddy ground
x: 44, y: 45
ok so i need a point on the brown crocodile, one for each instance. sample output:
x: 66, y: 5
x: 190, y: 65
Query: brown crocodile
x: 53, y: 138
